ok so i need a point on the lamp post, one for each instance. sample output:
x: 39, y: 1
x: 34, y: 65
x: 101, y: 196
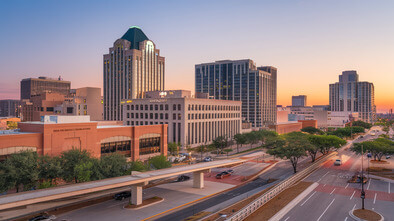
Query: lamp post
x: 362, y: 178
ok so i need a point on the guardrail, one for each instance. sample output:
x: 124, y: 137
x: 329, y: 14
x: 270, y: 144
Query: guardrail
x: 263, y: 199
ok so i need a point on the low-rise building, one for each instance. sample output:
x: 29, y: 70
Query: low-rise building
x: 10, y: 108
x: 191, y: 121
x: 55, y: 134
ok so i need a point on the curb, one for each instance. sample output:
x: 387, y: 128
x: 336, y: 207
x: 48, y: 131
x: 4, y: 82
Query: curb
x: 358, y: 219
x: 144, y: 206
x: 279, y: 215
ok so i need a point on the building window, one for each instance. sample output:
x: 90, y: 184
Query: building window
x: 128, y: 107
x: 166, y: 107
x: 156, y: 116
x: 50, y: 109
x: 151, y: 107
x: 179, y: 107
x: 166, y: 116
x: 141, y: 107
x: 161, y: 107
x: 174, y: 107
x: 156, y: 107
x: 136, y: 107
x: 179, y: 116
x: 132, y: 107
x: 149, y: 145
x: 174, y: 116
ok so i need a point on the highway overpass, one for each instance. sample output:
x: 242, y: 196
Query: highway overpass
x: 136, y: 182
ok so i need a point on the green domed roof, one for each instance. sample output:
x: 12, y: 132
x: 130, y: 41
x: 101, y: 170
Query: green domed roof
x: 135, y: 36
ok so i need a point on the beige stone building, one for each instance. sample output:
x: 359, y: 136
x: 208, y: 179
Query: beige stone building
x: 191, y: 121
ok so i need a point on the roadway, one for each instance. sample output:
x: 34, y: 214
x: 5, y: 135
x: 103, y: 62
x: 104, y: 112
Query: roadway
x: 334, y: 197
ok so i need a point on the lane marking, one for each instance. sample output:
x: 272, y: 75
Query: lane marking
x: 373, y: 209
x: 354, y: 206
x: 374, y: 199
x: 389, y: 187
x: 369, y: 184
x: 325, y: 210
x: 308, y: 198
x: 345, y: 218
x: 353, y: 195
x: 287, y: 218
x: 325, y: 184
x: 319, y: 180
x: 346, y: 187
x: 332, y: 191
x: 325, y: 174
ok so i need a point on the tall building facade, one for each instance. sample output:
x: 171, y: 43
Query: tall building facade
x: 352, y: 96
x: 132, y: 67
x: 35, y: 86
x: 191, y: 121
x: 10, y: 108
x: 298, y: 101
x: 241, y: 80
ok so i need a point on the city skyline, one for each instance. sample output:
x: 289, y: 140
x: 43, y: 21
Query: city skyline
x: 309, y: 46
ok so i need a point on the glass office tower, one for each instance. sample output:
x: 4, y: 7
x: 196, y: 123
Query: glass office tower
x: 241, y: 80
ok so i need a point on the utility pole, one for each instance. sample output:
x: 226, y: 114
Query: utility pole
x: 362, y: 178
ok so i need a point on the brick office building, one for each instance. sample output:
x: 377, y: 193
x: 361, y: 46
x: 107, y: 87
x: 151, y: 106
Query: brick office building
x: 56, y: 134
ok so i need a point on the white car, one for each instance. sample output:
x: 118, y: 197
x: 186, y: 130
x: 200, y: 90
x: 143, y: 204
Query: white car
x: 338, y: 162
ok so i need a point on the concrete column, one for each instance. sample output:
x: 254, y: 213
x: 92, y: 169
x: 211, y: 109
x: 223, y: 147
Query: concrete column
x: 198, y: 178
x: 136, y: 195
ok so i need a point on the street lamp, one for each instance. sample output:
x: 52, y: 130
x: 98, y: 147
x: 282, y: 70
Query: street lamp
x: 362, y: 178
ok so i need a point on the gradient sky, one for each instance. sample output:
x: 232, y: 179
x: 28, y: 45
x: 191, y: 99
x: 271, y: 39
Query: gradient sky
x: 310, y: 41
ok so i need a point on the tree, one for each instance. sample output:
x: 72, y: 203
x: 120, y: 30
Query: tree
x: 220, y: 143
x: 12, y: 125
x: 312, y: 130
x: 252, y: 137
x: 360, y: 123
x: 386, y: 129
x: 201, y: 149
x: 264, y: 135
x: 69, y: 160
x: 50, y: 168
x: 83, y: 171
x: 228, y: 151
x: 326, y: 143
x: 22, y: 170
x: 240, y: 139
x: 347, y: 131
x: 159, y: 162
x: 173, y: 148
x: 292, y: 149
x: 7, y: 176
x: 136, y: 166
x: 377, y: 147
x: 113, y: 165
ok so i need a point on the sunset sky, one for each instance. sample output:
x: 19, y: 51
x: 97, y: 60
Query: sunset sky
x: 310, y: 41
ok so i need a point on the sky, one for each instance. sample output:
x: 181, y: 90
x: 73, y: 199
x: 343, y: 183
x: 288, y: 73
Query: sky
x: 310, y: 41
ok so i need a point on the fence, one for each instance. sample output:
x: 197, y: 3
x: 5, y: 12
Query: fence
x: 257, y: 203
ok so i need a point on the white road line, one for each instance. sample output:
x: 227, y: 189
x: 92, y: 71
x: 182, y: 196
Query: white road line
x: 332, y: 191
x: 352, y: 195
x: 345, y: 218
x: 325, y: 174
x: 374, y: 199
x: 346, y: 187
x: 325, y: 210
x: 286, y: 218
x: 369, y: 184
x: 373, y: 208
x: 325, y: 184
x: 319, y: 180
x: 354, y: 206
x: 308, y: 198
x: 389, y: 187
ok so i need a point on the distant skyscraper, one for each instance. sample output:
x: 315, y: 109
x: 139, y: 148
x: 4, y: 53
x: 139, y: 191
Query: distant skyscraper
x: 132, y: 67
x: 10, y: 108
x: 353, y: 96
x: 35, y: 86
x: 241, y: 80
x: 298, y: 101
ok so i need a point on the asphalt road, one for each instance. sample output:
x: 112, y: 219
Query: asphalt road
x: 335, y: 197
x: 280, y: 171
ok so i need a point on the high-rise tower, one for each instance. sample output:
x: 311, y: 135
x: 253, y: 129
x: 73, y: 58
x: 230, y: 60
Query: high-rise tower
x: 132, y: 67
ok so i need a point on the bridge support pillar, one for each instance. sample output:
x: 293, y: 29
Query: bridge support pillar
x: 198, y: 179
x: 136, y: 193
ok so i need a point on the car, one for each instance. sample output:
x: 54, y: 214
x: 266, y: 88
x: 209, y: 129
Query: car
x: 338, y: 162
x: 122, y: 195
x: 208, y: 159
x: 230, y: 171
x: 43, y: 217
x: 388, y: 156
x: 222, y: 175
x: 182, y: 178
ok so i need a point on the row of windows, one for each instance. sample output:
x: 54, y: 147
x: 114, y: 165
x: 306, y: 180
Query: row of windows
x: 138, y: 123
x: 149, y: 145
x: 212, y: 116
x: 213, y: 107
x: 155, y: 116
x: 150, y: 107
x: 112, y: 147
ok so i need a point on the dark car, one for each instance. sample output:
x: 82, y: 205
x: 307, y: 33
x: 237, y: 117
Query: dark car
x: 182, y: 178
x: 122, y: 195
x: 44, y: 217
x: 222, y: 175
